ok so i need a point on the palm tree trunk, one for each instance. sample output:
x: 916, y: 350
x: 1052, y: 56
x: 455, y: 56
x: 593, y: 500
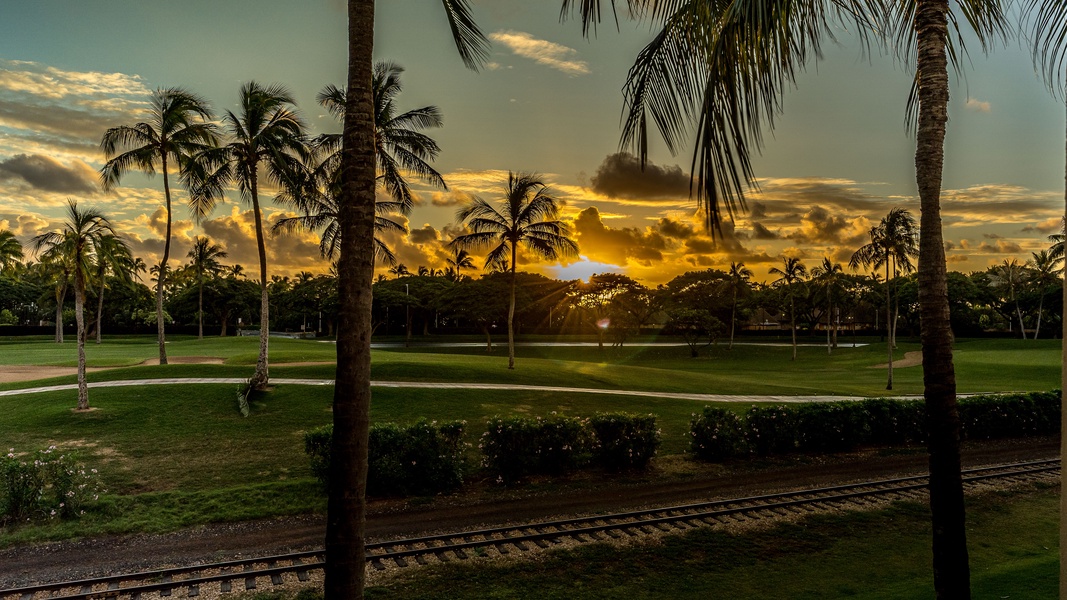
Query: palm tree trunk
x: 161, y: 335
x: 888, y: 326
x: 61, y: 292
x: 793, y: 323
x: 200, y: 310
x: 829, y: 322
x: 488, y: 338
x: 79, y: 315
x: 511, y: 313
x: 260, y: 377
x: 346, y: 508
x: 1040, y: 308
x: 733, y: 313
x: 950, y: 561
x: 100, y: 310
x: 1019, y: 313
x: 837, y: 320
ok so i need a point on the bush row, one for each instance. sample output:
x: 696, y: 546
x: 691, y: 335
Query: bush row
x: 718, y: 434
x: 428, y: 457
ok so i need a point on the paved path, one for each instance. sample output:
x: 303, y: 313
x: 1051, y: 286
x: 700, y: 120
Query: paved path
x: 438, y: 385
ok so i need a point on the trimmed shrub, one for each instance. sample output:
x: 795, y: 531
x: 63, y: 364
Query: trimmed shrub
x: 772, y: 430
x: 895, y: 422
x: 831, y: 426
x: 52, y: 485
x: 420, y: 459
x: 623, y: 441
x: 717, y: 434
x: 989, y: 417
x: 515, y: 447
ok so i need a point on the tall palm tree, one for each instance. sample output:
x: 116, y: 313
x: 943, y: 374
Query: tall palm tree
x: 78, y: 242
x: 178, y: 126
x: 727, y: 65
x: 266, y: 136
x: 113, y: 256
x: 401, y: 149
x: 739, y: 284
x: 828, y: 276
x: 57, y: 268
x: 345, y: 558
x: 10, y: 250
x: 894, y: 241
x: 460, y: 259
x: 204, y: 259
x: 527, y: 215
x: 1011, y: 275
x: 792, y: 272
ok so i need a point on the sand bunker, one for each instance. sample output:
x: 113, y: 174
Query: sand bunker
x: 911, y: 359
x: 13, y: 373
x: 187, y: 360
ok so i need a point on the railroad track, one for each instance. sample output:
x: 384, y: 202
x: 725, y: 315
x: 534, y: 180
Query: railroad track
x: 248, y: 574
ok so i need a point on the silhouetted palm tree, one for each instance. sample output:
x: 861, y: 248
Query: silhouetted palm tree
x: 460, y: 259
x: 10, y: 250
x: 1042, y: 275
x: 527, y: 215
x: 828, y: 276
x: 739, y: 284
x: 265, y: 137
x: 1011, y: 275
x: 204, y: 260
x: 77, y: 243
x: 179, y: 126
x: 791, y: 273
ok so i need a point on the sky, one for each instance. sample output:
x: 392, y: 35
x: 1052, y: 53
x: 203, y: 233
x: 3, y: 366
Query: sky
x: 550, y: 102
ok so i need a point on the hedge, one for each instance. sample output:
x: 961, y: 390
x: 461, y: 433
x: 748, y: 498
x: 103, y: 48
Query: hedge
x: 718, y: 434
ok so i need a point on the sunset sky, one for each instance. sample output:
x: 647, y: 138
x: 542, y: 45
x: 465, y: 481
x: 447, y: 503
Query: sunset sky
x: 548, y: 102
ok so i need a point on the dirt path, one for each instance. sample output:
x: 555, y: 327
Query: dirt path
x: 911, y: 359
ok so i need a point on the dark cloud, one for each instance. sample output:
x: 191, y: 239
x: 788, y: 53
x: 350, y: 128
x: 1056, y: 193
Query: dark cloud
x: 757, y: 210
x: 760, y: 232
x: 621, y: 176
x: 820, y: 226
x: 424, y: 235
x: 48, y: 174
x: 675, y: 229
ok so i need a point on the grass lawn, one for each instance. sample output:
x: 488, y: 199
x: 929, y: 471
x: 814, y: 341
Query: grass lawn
x: 178, y: 455
x: 878, y: 555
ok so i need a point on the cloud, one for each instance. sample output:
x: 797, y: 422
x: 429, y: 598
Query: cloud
x: 1048, y: 226
x: 48, y: 174
x: 620, y: 176
x: 675, y: 229
x: 543, y: 52
x: 760, y: 232
x: 819, y: 226
x: 618, y: 246
x: 978, y: 105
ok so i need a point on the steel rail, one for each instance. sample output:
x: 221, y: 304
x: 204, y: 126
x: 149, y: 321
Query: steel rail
x: 541, y: 534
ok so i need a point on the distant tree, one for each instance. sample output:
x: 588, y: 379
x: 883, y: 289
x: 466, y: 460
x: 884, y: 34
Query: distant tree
x: 204, y: 261
x: 594, y: 300
x: 827, y: 277
x: 1042, y: 277
x: 77, y: 242
x: 10, y: 250
x: 740, y: 277
x: 458, y: 260
x: 112, y: 257
x: 792, y: 273
x: 528, y: 215
x: 1011, y: 276
x: 400, y: 270
x: 483, y: 302
x: 178, y: 128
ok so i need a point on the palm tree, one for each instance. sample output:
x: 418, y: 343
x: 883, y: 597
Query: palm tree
x: 57, y: 267
x: 78, y: 243
x: 893, y: 243
x: 179, y: 126
x: 793, y: 272
x: 112, y: 256
x: 400, y: 270
x: 400, y: 149
x: 827, y: 276
x: 266, y: 137
x: 459, y: 259
x: 1012, y: 275
x: 345, y: 558
x: 204, y: 260
x: 739, y: 284
x: 527, y: 216
x: 1042, y: 274
x: 726, y: 67
x: 10, y: 250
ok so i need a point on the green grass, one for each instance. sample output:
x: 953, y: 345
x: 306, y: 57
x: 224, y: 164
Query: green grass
x: 181, y: 454
x: 878, y: 555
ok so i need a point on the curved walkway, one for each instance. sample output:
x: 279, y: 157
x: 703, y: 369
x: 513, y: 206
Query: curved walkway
x: 438, y: 385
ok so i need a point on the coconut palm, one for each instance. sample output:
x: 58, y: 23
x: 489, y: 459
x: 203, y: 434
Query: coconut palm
x: 400, y: 270
x: 265, y: 137
x: 1011, y: 275
x: 459, y: 259
x: 527, y: 216
x: 739, y: 284
x: 828, y: 276
x: 204, y: 261
x: 894, y: 241
x: 345, y: 559
x: 726, y: 66
x: 792, y: 272
x: 57, y: 268
x: 10, y: 250
x: 112, y: 257
x: 178, y: 127
x: 78, y: 243
x: 1042, y: 275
